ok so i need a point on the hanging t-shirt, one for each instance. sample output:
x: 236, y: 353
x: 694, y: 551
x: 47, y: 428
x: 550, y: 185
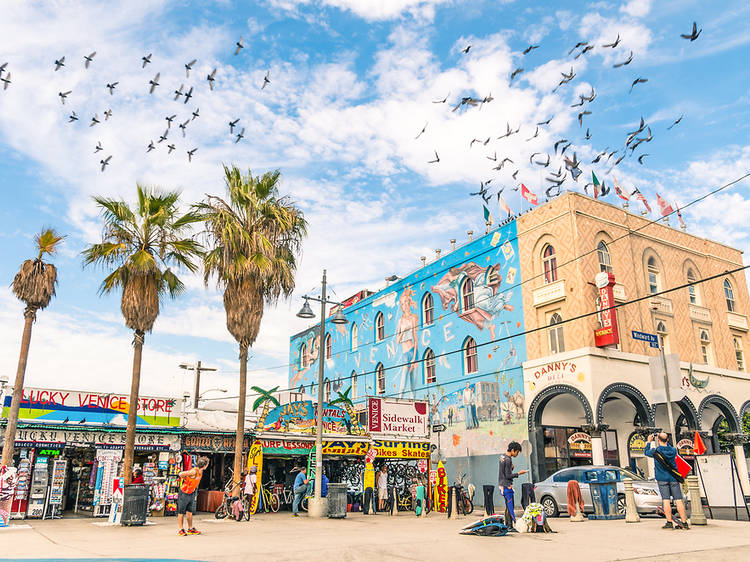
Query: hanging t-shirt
x: 369, y: 479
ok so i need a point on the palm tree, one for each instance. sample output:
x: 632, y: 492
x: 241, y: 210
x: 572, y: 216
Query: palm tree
x: 140, y: 246
x: 346, y: 402
x: 266, y: 398
x: 254, y: 237
x: 34, y: 284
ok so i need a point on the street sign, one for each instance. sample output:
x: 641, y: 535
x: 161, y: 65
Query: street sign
x: 437, y: 428
x: 422, y: 465
x: 651, y: 339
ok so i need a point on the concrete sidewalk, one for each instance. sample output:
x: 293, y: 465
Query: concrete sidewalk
x: 380, y: 537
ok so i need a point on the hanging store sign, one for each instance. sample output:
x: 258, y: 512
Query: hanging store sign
x: 202, y: 442
x: 579, y: 444
x: 608, y: 334
x: 685, y: 448
x: 376, y: 448
x: 403, y: 418
x: 40, y: 438
x: 300, y: 417
x: 637, y: 444
x: 67, y: 406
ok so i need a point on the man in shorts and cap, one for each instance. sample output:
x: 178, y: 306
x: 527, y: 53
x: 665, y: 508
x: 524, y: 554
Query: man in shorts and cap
x: 187, y: 494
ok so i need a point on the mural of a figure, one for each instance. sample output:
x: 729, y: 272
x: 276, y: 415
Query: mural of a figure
x: 309, y: 351
x: 488, y: 300
x: 406, y: 331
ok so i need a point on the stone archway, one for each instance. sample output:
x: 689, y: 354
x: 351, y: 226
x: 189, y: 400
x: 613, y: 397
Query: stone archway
x: 639, y: 401
x: 725, y: 407
x: 745, y: 409
x: 687, y: 410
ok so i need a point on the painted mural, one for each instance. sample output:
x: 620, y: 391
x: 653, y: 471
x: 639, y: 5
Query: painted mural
x: 471, y: 298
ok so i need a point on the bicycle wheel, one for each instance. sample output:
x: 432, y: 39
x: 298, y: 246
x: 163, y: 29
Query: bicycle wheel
x: 468, y: 506
x: 221, y: 511
x: 274, y: 503
x: 246, y: 507
x: 303, y: 504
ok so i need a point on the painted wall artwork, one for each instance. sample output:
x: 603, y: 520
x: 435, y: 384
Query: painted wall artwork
x: 445, y: 333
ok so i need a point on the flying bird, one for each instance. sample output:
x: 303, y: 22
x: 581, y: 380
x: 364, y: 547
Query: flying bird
x: 111, y: 87
x: 240, y: 135
x: 107, y: 114
x: 59, y: 63
x: 614, y: 43
x: 579, y: 44
x: 641, y: 157
x: 530, y: 48
x: 188, y: 67
x: 195, y: 113
x: 266, y: 81
x: 625, y: 62
x: 443, y: 100
x: 178, y: 92
x: 436, y: 160
x: 493, y: 158
x: 240, y: 46
x: 467, y: 101
x: 466, y: 49
x: 694, y: 35
x: 163, y: 137
x: 422, y: 131
x: 94, y: 120
x: 535, y: 135
x: 515, y: 73
x: 487, y: 99
x: 585, y: 50
x: 190, y: 154
x: 169, y: 119
x: 150, y: 147
x: 590, y: 97
x: 98, y: 147
x: 2, y: 68
x: 543, y: 164
x: 64, y: 95
x: 637, y: 81
x: 146, y: 60
x: 171, y: 147
x: 89, y: 59
x: 558, y: 143
x: 232, y: 125
x: 210, y: 79
x: 72, y: 117
x: 676, y: 122
x: 588, y: 134
x: 154, y: 83
x: 105, y: 162
x: 188, y: 95
x: 183, y: 127
x: 580, y: 117
x: 545, y: 122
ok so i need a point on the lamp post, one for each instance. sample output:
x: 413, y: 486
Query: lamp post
x: 197, y: 368
x: 317, y: 506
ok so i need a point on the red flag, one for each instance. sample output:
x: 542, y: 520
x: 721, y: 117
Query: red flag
x: 664, y: 207
x: 526, y: 194
x: 642, y: 199
x: 620, y: 193
x: 698, y: 446
x: 503, y: 205
x: 682, y: 466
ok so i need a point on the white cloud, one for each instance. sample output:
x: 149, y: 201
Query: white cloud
x: 636, y: 8
x: 372, y: 10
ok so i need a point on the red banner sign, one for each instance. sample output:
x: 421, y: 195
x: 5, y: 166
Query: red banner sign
x: 608, y: 334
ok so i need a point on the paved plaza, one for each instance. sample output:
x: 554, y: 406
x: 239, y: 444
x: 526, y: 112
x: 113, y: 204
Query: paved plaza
x: 280, y: 537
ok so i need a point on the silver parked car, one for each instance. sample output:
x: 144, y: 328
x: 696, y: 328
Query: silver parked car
x: 552, y: 493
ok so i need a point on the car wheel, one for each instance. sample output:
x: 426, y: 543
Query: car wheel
x: 620, y: 505
x: 550, y: 506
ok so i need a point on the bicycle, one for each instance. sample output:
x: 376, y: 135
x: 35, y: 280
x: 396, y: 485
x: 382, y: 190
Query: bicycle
x: 269, y: 499
x: 466, y: 505
x: 225, y: 507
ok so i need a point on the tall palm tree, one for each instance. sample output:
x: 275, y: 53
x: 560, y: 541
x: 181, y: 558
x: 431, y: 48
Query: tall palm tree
x: 34, y: 284
x: 266, y: 398
x: 140, y: 246
x: 254, y: 237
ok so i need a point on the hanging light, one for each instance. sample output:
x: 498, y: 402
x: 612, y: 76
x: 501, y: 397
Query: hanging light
x: 339, y: 317
x: 306, y: 311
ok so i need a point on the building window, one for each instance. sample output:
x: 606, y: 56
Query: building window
x: 705, y: 341
x: 467, y: 294
x: 429, y: 367
x: 303, y: 356
x: 379, y: 327
x: 605, y: 262
x: 729, y: 295
x: 355, y: 336
x: 739, y: 354
x: 327, y: 390
x: 471, y: 365
x: 329, y: 351
x: 661, y: 332
x: 692, y: 289
x: 380, y: 378
x: 549, y: 262
x: 492, y: 276
x: 427, y: 310
x: 654, y: 281
x: 556, y: 339
x: 354, y: 384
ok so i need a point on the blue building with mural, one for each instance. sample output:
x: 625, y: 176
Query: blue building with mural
x: 441, y: 334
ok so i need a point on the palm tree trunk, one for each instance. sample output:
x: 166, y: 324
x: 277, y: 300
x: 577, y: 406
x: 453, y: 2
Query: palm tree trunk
x: 135, y: 383
x: 10, y: 430
x: 239, y: 438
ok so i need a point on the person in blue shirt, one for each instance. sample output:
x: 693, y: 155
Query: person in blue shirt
x: 324, y: 485
x: 301, y: 485
x: 668, y: 484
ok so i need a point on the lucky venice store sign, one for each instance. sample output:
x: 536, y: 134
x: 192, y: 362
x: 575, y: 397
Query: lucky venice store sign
x: 57, y: 439
x: 404, y: 418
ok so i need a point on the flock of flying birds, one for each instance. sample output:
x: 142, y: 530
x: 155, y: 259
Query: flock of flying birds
x: 634, y: 139
x: 180, y: 94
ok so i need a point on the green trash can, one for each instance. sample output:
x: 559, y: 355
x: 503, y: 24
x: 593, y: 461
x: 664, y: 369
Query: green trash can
x: 336, y: 500
x: 603, y: 487
x: 134, y: 504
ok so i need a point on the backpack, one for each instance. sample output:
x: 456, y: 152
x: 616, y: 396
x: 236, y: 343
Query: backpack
x: 669, y: 467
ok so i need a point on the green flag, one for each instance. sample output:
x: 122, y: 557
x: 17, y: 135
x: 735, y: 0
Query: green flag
x: 595, y: 181
x: 487, y: 215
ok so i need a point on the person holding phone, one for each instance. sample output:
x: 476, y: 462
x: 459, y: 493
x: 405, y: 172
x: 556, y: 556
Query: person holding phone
x: 665, y: 467
x: 505, y: 481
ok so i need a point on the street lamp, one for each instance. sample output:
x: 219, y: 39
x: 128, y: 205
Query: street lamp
x: 317, y: 505
x: 197, y: 368
x: 213, y: 390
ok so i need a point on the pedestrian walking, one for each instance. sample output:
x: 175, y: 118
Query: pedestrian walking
x: 369, y: 497
x: 186, y: 496
x: 301, y: 486
x: 505, y: 481
x: 668, y: 477
x: 382, y: 481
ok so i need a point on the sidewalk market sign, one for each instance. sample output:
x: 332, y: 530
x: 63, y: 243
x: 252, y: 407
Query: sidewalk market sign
x: 383, y: 448
x: 68, y: 406
x: 41, y: 438
x: 401, y: 418
x: 300, y: 417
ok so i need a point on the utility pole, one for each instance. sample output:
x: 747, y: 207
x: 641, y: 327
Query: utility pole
x: 668, y: 398
x: 197, y: 383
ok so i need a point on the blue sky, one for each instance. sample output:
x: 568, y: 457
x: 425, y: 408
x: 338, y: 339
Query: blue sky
x: 352, y: 84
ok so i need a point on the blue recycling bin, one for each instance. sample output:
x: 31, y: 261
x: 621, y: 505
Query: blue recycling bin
x: 603, y: 487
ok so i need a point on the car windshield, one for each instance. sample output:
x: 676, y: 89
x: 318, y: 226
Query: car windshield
x: 627, y: 474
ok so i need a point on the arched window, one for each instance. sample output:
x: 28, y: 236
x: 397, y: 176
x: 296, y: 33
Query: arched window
x: 380, y: 378
x: 329, y: 350
x: 354, y: 385
x: 327, y: 390
x: 471, y: 365
x: 739, y: 353
x: 355, y: 336
x: 303, y: 356
x: 556, y: 338
x: 705, y: 344
x: 428, y: 310
x: 661, y: 332
x: 692, y: 289
x: 467, y: 294
x: 379, y: 327
x: 605, y: 262
x: 429, y: 366
x: 729, y: 295
x: 492, y: 276
x: 549, y: 262
x: 654, y: 276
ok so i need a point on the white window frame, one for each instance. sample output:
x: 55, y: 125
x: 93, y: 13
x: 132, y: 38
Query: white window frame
x: 467, y: 297
x: 653, y: 276
x: 380, y: 377
x: 354, y: 336
x: 379, y: 327
x: 729, y: 296
x: 471, y: 356
x: 430, y: 373
x: 428, y: 310
x: 605, y: 258
x: 549, y: 264
x: 739, y: 352
x: 705, y: 346
x: 556, y: 334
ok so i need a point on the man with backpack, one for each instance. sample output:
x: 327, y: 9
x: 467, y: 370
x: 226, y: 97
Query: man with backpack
x: 668, y: 477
